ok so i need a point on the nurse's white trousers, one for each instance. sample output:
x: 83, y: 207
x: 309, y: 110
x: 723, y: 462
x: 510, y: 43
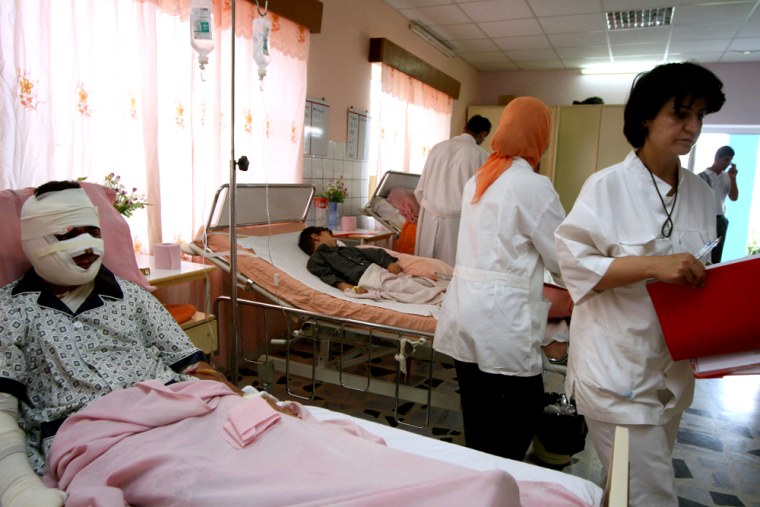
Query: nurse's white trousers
x: 651, y: 454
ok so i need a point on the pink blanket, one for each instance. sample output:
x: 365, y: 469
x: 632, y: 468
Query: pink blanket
x: 170, y: 445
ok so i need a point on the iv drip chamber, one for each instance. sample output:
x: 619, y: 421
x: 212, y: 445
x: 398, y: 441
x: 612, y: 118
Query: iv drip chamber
x: 262, y: 28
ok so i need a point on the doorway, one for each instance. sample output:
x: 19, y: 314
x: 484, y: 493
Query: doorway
x: 743, y: 236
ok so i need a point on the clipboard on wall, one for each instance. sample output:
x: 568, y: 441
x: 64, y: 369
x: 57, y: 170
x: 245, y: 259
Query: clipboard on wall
x: 723, y: 317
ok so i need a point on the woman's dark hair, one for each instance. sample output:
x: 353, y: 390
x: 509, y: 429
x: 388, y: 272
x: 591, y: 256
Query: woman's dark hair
x: 678, y: 81
x: 305, y: 242
x: 55, y: 186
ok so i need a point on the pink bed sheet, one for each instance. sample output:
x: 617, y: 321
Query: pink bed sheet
x: 165, y: 445
x: 301, y: 296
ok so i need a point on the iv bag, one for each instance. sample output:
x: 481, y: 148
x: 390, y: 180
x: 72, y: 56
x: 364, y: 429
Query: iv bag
x: 262, y: 27
x: 201, y: 21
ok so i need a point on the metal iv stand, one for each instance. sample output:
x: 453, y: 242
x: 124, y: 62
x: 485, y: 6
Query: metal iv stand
x: 242, y: 163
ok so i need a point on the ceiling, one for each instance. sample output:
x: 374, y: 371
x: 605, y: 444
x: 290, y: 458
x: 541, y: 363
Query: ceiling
x: 495, y: 35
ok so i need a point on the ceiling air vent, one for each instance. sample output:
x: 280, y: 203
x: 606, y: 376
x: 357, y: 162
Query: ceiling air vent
x: 643, y: 18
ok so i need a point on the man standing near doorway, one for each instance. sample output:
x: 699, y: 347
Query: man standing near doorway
x: 723, y: 183
x: 448, y: 167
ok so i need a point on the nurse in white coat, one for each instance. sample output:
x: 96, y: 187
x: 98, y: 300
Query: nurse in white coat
x: 493, y: 318
x: 448, y: 167
x: 639, y: 220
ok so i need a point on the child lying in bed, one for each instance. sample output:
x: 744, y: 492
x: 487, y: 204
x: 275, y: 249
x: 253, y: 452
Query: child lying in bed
x: 365, y: 272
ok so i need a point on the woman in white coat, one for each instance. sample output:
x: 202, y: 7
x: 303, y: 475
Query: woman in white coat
x: 494, y: 316
x: 639, y: 220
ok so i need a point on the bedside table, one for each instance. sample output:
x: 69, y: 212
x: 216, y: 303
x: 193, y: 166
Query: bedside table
x: 201, y: 328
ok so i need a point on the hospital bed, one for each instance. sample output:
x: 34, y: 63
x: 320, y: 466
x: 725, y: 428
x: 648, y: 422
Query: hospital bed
x: 197, y: 454
x: 393, y: 203
x: 316, y: 316
x: 538, y: 486
x: 343, y: 334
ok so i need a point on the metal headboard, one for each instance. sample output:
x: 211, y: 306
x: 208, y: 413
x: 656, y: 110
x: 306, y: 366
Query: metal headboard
x: 260, y: 203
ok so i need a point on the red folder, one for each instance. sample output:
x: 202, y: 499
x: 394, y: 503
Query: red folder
x: 722, y: 317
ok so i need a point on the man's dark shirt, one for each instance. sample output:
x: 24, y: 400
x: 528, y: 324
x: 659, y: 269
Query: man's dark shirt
x: 345, y: 263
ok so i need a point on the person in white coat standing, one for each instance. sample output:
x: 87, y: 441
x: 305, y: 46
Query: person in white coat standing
x: 493, y: 319
x: 636, y: 221
x: 439, y: 192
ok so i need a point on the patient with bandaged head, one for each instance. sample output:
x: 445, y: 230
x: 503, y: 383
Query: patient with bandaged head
x: 369, y: 272
x: 71, y: 332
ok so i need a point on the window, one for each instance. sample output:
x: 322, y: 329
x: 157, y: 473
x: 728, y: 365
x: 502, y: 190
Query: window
x: 411, y: 117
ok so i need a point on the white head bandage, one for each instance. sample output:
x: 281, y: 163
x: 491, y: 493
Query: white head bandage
x: 56, y: 213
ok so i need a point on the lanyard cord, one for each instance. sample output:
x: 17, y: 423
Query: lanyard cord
x: 667, y: 227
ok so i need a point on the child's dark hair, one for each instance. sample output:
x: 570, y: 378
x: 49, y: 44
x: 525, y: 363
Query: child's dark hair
x: 305, y: 242
x: 678, y: 81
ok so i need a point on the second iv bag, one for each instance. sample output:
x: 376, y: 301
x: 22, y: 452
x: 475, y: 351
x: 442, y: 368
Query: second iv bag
x: 201, y: 21
x: 262, y: 28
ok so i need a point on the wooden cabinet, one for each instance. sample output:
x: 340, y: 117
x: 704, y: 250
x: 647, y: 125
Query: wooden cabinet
x: 584, y: 139
x: 588, y: 138
x: 202, y: 327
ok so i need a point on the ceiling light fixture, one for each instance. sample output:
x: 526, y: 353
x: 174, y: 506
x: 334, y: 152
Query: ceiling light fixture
x: 643, y: 18
x: 432, y: 38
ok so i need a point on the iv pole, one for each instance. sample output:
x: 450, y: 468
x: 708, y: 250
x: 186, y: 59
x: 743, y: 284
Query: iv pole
x: 233, y: 214
x: 242, y: 163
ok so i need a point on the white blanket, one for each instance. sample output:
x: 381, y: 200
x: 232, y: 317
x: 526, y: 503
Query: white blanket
x: 281, y: 250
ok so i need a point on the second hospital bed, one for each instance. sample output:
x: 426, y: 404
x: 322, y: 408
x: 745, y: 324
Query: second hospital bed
x: 270, y: 264
x: 272, y: 278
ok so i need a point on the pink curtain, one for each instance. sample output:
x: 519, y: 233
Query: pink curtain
x: 412, y: 117
x: 91, y: 87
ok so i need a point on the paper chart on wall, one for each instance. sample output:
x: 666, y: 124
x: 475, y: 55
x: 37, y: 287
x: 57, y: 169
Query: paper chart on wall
x: 357, y: 144
x: 316, y: 127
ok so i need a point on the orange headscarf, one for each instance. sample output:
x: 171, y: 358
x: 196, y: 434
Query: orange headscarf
x: 523, y: 131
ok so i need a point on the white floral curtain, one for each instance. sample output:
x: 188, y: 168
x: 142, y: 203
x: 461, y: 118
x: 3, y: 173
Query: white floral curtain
x: 412, y: 118
x: 92, y: 87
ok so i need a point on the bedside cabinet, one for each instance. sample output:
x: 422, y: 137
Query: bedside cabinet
x: 202, y: 327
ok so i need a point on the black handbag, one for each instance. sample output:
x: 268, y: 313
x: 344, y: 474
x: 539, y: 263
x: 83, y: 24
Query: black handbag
x: 561, y: 429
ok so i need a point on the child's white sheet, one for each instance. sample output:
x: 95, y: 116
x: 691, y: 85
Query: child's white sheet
x: 281, y: 250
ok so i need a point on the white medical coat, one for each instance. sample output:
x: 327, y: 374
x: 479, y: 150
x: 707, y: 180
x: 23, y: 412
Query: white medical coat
x: 448, y: 167
x: 494, y: 313
x: 620, y: 370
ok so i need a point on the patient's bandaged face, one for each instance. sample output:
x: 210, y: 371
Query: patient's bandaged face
x: 56, y: 214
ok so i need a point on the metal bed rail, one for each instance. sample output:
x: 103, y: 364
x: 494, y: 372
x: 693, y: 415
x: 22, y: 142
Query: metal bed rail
x: 323, y: 332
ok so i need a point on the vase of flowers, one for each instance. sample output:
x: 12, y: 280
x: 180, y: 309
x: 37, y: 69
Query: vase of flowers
x: 125, y: 202
x: 335, y: 192
x: 333, y: 217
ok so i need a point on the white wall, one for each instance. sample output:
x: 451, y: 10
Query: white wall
x: 339, y: 68
x: 339, y: 71
x: 562, y: 87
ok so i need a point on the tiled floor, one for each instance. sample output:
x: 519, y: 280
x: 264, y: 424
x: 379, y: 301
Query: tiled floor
x: 716, y: 458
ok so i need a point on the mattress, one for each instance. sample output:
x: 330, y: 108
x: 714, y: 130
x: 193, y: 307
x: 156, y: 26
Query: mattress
x: 299, y: 294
